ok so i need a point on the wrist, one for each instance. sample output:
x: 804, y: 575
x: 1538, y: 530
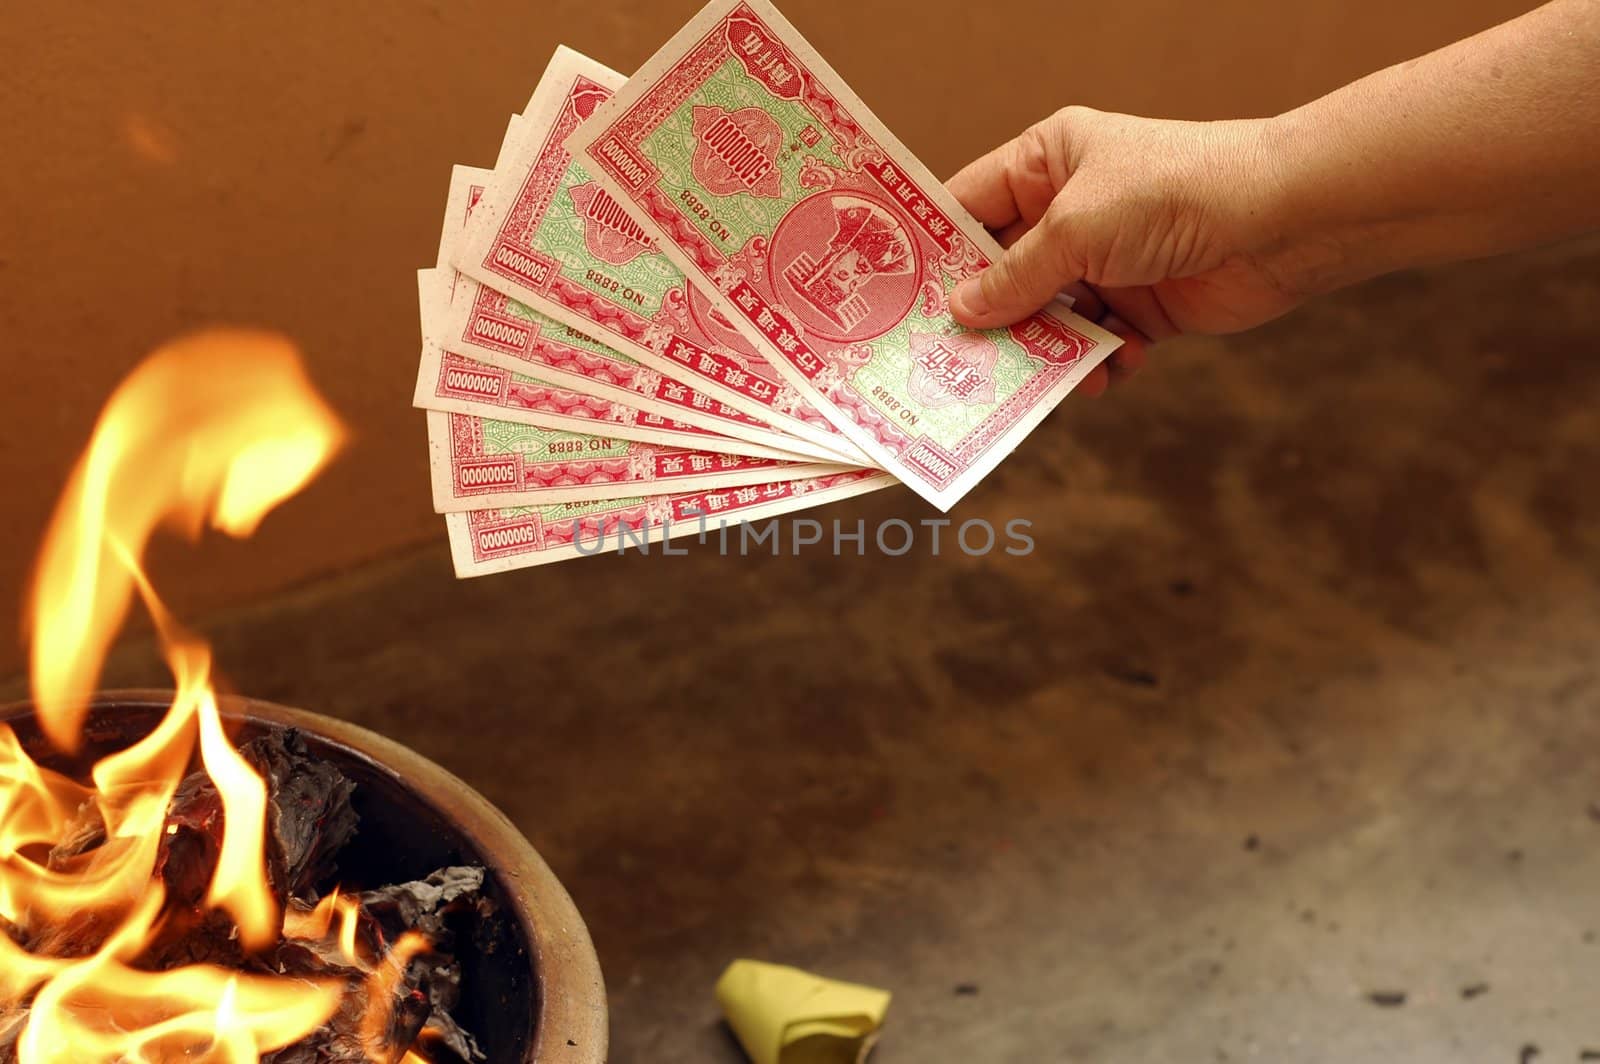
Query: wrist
x: 1299, y: 236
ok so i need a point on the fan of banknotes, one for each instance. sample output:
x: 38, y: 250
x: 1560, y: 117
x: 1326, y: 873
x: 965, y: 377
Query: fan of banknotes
x: 714, y: 292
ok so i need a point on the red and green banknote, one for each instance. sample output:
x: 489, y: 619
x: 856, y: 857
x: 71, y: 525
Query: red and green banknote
x: 464, y: 320
x: 719, y: 287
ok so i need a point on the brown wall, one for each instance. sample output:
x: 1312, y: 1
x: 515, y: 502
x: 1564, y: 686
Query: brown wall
x: 285, y: 165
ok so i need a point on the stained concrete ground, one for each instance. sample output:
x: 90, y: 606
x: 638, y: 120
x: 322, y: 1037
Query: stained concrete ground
x: 1295, y: 703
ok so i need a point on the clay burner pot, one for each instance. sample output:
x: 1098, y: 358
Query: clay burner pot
x: 536, y: 993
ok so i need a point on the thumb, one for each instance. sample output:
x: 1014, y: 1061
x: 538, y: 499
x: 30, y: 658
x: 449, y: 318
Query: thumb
x: 1027, y: 277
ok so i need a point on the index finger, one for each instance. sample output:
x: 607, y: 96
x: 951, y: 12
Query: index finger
x: 1012, y: 185
x: 983, y: 188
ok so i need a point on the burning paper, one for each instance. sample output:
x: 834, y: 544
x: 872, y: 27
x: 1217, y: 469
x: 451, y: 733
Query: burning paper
x: 165, y: 910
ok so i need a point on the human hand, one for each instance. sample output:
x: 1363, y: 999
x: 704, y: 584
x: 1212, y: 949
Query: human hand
x: 1156, y: 227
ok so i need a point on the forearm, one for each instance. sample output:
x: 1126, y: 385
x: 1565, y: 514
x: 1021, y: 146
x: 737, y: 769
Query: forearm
x: 1490, y: 144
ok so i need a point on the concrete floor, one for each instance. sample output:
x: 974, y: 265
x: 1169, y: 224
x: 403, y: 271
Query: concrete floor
x: 1296, y: 703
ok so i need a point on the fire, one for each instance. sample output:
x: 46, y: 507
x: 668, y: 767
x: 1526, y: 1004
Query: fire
x: 250, y: 432
x: 214, y: 430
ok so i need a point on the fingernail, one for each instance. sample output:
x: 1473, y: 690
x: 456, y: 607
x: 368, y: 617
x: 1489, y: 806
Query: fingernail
x: 968, y: 298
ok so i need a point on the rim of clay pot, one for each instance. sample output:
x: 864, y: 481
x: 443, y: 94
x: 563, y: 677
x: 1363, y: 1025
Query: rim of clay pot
x: 572, y: 1022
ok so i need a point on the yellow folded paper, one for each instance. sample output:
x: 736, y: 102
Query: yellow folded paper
x: 782, y: 1015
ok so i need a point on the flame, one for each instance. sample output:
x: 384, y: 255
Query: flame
x: 101, y: 1009
x: 253, y: 431
x: 315, y: 924
x: 385, y: 979
x: 216, y: 429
